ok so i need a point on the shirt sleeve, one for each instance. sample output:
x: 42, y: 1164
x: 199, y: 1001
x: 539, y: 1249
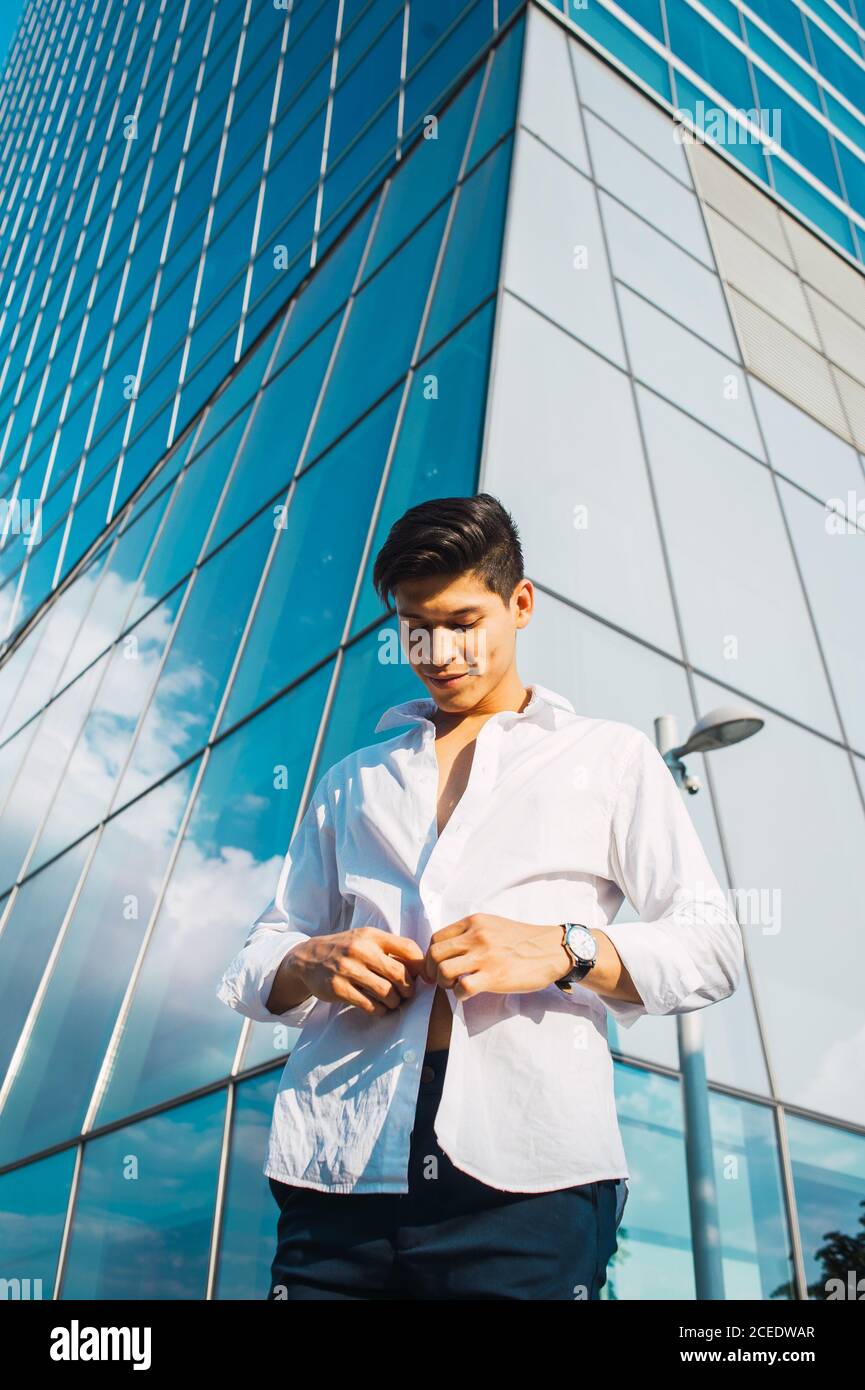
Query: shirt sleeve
x: 307, y: 902
x: 686, y: 951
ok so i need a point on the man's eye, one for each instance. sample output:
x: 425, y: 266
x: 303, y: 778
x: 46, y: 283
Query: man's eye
x: 415, y: 632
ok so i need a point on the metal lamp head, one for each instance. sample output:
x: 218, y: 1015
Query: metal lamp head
x: 721, y: 727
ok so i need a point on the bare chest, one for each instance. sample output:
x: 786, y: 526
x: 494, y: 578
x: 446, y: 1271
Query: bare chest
x: 454, y: 764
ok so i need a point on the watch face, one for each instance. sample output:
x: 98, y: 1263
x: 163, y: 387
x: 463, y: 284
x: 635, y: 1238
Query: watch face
x: 582, y: 943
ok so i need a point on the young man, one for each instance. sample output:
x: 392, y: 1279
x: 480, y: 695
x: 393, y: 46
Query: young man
x: 445, y: 1126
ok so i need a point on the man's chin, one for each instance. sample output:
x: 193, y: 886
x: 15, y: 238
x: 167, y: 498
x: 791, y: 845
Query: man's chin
x: 459, y: 694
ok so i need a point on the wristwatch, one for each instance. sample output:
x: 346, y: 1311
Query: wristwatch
x: 582, y: 947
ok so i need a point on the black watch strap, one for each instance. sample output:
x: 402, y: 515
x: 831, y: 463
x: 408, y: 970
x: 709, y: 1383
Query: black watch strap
x: 579, y: 969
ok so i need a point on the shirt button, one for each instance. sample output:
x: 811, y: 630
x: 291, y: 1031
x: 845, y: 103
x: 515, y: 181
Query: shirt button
x: 409, y: 1056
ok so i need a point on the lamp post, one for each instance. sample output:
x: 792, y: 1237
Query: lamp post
x: 719, y: 729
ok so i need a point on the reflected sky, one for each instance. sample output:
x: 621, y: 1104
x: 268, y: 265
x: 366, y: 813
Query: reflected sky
x: 144, y: 1213
x: 49, y: 1086
x: 250, y: 1214
x: 178, y: 1035
x: 33, y: 1202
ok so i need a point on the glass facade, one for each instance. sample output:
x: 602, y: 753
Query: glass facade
x: 688, y: 552
x: 271, y: 273
x: 778, y: 84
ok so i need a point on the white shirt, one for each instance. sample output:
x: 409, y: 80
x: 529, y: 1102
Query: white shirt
x: 561, y: 817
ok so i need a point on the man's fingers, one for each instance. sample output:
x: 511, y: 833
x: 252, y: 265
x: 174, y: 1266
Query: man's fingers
x: 453, y: 929
x: 373, y: 978
x: 447, y: 973
x: 391, y: 968
x: 397, y: 957
x: 440, y: 950
x: 344, y: 992
x: 472, y: 982
x: 403, y: 947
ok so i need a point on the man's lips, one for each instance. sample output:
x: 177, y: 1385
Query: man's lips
x: 447, y: 680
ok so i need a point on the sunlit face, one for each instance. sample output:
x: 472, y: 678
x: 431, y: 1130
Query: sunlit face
x: 459, y: 637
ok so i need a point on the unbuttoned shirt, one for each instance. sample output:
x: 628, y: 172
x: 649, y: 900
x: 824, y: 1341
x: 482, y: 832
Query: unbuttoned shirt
x: 561, y: 818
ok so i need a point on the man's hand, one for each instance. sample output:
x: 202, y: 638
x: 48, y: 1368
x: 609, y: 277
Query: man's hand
x: 365, y: 966
x: 482, y: 953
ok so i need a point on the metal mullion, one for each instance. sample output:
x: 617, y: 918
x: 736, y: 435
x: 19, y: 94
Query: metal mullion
x: 66, y: 1235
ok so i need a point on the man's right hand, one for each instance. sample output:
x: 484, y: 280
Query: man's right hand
x: 373, y: 970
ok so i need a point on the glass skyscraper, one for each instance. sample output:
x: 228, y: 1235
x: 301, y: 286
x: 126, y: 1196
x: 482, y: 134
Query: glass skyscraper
x: 269, y: 274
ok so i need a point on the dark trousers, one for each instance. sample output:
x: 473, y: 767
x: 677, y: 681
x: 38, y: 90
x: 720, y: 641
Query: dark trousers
x: 449, y: 1237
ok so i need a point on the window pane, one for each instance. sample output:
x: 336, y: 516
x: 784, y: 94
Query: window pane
x: 798, y: 133
x: 621, y: 41
x: 33, y: 1202
x: 28, y: 934
x: 438, y: 448
x: 654, y: 1259
x: 832, y: 555
x: 499, y: 110
x: 359, y: 376
x: 177, y: 1035
x: 470, y: 268
x: 61, y: 1058
x: 191, y: 683
x: 368, y: 685
x: 678, y: 365
x: 144, y: 1211
x: 280, y: 418
x: 425, y: 176
x: 596, y: 542
x: 302, y: 610
x: 97, y: 759
x: 49, y: 742
x: 555, y: 257
x: 650, y: 191
x: 250, y: 1215
x: 812, y: 456
x: 705, y: 50
x: 829, y: 1179
x: 739, y: 594
x: 189, y: 515
x: 656, y: 268
x: 755, y: 1241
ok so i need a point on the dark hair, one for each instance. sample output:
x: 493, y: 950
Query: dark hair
x: 448, y: 536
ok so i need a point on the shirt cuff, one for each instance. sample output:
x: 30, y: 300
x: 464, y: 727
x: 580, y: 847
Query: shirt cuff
x: 663, y: 972
x: 246, y: 984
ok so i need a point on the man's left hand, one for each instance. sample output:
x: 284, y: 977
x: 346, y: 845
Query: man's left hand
x: 482, y: 953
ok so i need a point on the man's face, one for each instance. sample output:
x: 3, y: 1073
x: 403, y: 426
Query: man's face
x: 459, y: 636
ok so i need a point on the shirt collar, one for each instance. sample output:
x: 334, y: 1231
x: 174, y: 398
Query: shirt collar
x: 540, y: 707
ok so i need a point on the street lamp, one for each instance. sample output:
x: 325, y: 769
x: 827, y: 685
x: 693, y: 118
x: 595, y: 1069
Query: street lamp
x: 720, y: 728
